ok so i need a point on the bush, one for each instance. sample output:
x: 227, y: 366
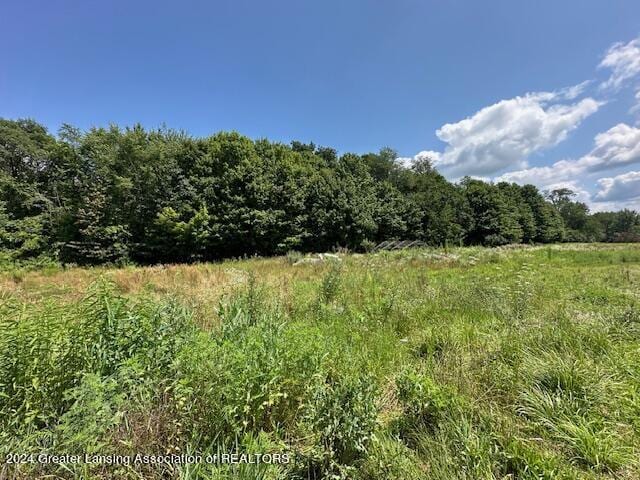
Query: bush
x: 424, y: 403
x: 94, y: 409
x: 367, y: 246
x: 341, y: 415
x: 46, y: 354
x: 249, y: 377
x: 330, y: 286
x: 293, y: 256
x: 495, y: 240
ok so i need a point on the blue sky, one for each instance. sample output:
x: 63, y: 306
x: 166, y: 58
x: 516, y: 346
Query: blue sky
x: 482, y: 87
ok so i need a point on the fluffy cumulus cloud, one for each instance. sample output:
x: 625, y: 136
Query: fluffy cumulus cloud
x: 497, y: 141
x: 623, y: 59
x: 623, y: 187
x: 503, y: 135
x: 617, y: 147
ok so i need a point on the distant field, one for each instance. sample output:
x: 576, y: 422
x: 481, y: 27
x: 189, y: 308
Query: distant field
x: 470, y: 363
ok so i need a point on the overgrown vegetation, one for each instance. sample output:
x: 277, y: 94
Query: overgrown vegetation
x: 474, y: 363
x: 119, y: 195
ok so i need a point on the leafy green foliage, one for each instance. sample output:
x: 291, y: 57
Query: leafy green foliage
x: 509, y: 362
x: 425, y: 403
x: 99, y: 336
x: 113, y: 195
x: 342, y: 412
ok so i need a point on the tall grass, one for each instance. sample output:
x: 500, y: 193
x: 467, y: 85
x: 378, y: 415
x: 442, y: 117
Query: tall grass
x: 471, y: 363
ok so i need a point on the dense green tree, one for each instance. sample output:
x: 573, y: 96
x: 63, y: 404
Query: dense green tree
x: 117, y: 194
x: 549, y: 224
x: 514, y: 198
x: 579, y: 225
x: 25, y: 206
x: 440, y: 212
x: 383, y: 166
x: 392, y: 214
x: 622, y: 226
x: 495, y: 220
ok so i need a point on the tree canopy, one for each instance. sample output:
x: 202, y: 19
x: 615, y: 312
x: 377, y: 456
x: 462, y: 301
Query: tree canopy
x: 117, y: 194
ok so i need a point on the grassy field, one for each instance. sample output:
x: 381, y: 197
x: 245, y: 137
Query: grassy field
x: 474, y: 363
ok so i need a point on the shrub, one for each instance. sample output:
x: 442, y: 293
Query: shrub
x: 246, y: 378
x: 331, y: 282
x: 341, y: 415
x: 494, y: 240
x: 293, y: 256
x: 94, y: 409
x: 45, y: 354
x: 367, y: 245
x: 424, y: 403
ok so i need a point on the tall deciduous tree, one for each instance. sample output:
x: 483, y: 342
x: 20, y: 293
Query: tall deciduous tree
x: 116, y: 194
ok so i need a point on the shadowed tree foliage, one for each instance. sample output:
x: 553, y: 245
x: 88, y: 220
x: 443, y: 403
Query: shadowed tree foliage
x: 130, y: 194
x: 496, y: 214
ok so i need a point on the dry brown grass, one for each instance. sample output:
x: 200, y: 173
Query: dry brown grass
x: 200, y: 286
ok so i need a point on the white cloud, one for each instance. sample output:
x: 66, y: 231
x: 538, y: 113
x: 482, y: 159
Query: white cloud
x: 623, y: 187
x: 618, y: 146
x: 503, y: 135
x: 623, y: 59
x: 424, y: 155
x: 570, y: 93
x: 615, y: 206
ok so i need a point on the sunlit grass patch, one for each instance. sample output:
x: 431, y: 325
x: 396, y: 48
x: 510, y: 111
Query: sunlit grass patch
x: 431, y: 363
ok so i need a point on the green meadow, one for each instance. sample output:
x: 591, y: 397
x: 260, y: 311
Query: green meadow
x: 516, y: 362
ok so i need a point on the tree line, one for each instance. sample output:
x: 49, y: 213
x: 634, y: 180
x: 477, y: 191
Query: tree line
x: 131, y: 194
